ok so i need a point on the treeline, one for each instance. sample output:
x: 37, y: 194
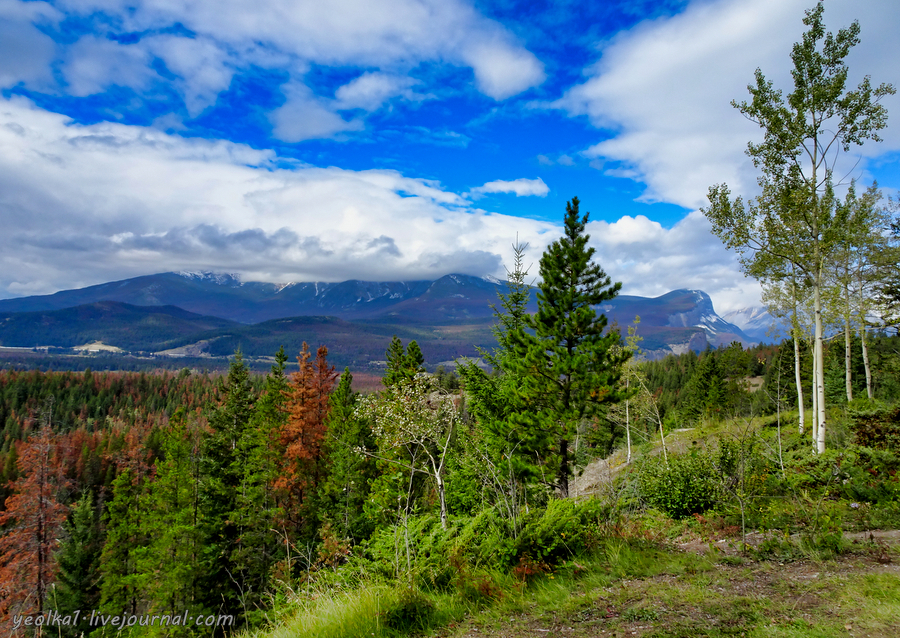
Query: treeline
x: 733, y: 381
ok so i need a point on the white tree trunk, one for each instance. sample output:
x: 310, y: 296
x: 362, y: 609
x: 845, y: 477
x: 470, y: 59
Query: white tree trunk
x: 819, y: 366
x: 865, y: 355
x: 848, y: 374
x: 798, y: 378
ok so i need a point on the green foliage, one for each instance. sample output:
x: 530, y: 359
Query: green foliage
x: 564, y: 529
x: 223, y: 461
x: 688, y: 484
x: 410, y: 613
x: 346, y: 488
x: 402, y: 365
x: 122, y: 582
x: 78, y: 585
x: 877, y: 427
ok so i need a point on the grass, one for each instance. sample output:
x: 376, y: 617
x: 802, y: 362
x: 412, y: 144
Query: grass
x: 683, y: 597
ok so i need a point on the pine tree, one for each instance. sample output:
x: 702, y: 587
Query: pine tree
x: 257, y: 514
x: 415, y: 360
x: 170, y: 561
x: 402, y: 365
x: 122, y: 583
x: 566, y: 368
x: 492, y: 399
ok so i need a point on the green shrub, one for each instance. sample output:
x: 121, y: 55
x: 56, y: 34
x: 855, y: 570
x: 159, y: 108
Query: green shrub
x: 689, y: 484
x: 564, y: 529
x: 411, y: 612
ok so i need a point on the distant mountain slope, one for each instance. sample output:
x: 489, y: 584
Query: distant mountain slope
x: 439, y: 312
x: 118, y: 324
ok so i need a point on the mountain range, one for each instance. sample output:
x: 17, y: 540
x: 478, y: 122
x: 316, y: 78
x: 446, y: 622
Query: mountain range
x: 212, y: 314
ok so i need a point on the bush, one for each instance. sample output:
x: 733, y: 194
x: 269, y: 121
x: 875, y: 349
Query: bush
x: 688, y: 485
x: 411, y: 612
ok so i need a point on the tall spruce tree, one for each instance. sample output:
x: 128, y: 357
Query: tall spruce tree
x: 78, y: 585
x: 222, y: 469
x: 257, y: 514
x: 567, y: 367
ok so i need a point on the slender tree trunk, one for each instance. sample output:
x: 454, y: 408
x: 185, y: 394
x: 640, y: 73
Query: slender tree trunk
x: 819, y: 365
x: 815, y: 404
x: 865, y: 357
x: 848, y: 374
x: 627, y: 427
x: 563, y: 478
x: 798, y: 378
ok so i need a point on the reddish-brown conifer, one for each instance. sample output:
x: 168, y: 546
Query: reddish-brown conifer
x: 33, y: 521
x: 302, y: 435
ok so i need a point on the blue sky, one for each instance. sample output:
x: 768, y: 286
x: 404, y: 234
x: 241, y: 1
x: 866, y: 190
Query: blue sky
x: 403, y: 139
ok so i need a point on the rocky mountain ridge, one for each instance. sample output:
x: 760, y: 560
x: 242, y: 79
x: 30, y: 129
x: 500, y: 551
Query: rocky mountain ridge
x: 439, y: 311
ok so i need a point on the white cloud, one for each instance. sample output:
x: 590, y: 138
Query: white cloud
x: 25, y: 52
x: 203, y: 67
x: 501, y: 70
x: 304, y: 116
x: 665, y: 87
x: 521, y: 187
x: 87, y: 204
x: 370, y: 90
x: 93, y: 64
x: 392, y: 36
x: 84, y: 204
x: 651, y: 260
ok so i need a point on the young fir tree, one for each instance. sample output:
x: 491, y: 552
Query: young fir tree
x: 257, y: 514
x: 704, y: 393
x: 122, y: 583
x: 492, y: 399
x: 567, y: 368
x: 402, y: 365
x: 171, y: 558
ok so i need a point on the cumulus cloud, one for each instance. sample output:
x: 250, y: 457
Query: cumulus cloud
x: 93, y: 64
x: 83, y: 204
x: 203, y: 68
x: 664, y: 89
x: 521, y: 187
x: 651, y: 260
x: 502, y: 70
x: 25, y: 52
x: 370, y: 90
x: 204, y: 44
x: 304, y: 116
